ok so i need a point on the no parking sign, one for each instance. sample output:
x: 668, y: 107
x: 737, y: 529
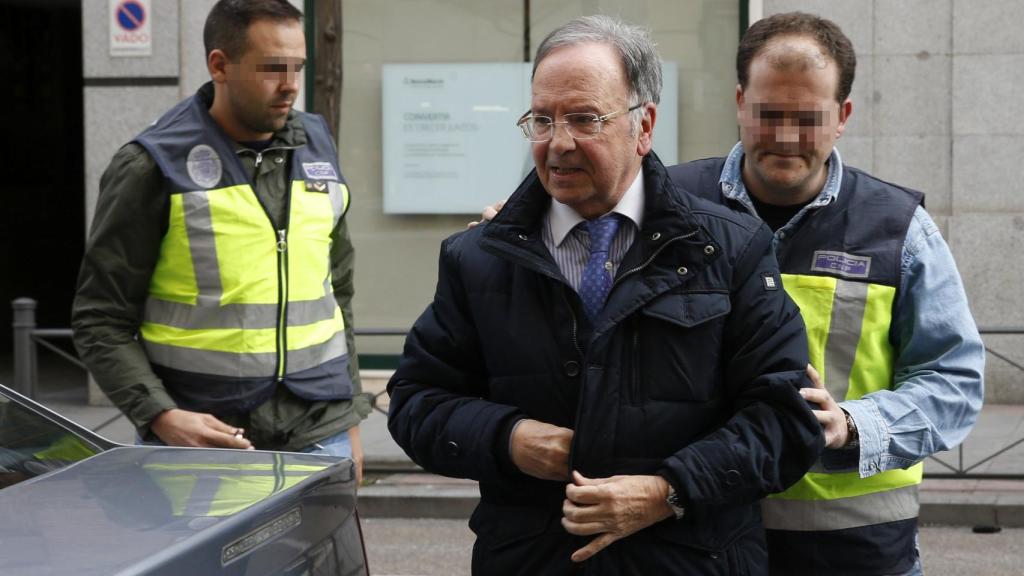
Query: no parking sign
x: 130, y: 28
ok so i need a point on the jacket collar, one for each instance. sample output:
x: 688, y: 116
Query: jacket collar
x: 561, y: 219
x: 732, y: 186
x: 669, y: 241
x: 291, y: 135
x: 666, y: 211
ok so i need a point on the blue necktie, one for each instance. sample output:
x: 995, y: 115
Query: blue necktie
x: 597, y: 274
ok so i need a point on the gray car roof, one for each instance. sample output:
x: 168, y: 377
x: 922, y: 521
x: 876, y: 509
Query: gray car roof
x: 131, y: 509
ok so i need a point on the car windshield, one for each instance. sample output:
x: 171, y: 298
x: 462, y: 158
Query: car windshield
x: 31, y: 445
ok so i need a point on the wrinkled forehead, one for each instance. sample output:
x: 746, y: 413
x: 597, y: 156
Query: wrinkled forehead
x: 587, y: 68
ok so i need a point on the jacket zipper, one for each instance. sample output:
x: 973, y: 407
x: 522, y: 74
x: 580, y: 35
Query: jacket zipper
x: 647, y: 262
x: 583, y: 373
x: 575, y: 326
x: 259, y: 155
x: 583, y: 369
x: 635, y: 384
x: 282, y: 298
x: 281, y: 246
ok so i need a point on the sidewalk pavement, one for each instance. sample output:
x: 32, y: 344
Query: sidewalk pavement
x: 400, y: 489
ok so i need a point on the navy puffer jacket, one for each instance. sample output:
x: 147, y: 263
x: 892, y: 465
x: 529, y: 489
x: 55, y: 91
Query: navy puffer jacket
x: 690, y: 371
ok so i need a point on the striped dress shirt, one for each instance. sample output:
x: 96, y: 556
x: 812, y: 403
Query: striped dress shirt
x: 565, y: 233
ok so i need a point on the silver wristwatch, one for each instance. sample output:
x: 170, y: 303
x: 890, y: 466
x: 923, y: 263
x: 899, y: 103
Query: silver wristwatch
x: 674, y: 502
x: 852, y: 436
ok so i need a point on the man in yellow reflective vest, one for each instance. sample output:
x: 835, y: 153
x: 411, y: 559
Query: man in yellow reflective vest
x: 214, y: 300
x: 887, y: 319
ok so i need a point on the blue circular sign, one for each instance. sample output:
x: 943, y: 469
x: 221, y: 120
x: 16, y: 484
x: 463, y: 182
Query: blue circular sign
x: 131, y: 15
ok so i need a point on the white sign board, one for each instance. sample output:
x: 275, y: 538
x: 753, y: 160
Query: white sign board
x: 450, y: 141
x: 130, y: 28
x: 449, y: 134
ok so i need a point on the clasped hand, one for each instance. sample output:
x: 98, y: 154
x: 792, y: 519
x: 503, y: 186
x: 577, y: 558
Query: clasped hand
x: 608, y: 508
x: 612, y: 508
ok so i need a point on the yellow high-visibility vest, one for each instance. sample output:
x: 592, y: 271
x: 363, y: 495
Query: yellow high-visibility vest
x: 848, y: 338
x: 236, y: 303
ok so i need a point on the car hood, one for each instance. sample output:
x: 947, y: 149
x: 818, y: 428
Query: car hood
x: 144, y: 509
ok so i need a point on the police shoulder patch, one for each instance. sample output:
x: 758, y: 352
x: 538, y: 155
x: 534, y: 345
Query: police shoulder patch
x: 770, y: 281
x: 204, y: 166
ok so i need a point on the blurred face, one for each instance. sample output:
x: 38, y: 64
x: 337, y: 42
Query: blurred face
x: 789, y: 120
x: 260, y: 87
x: 588, y: 175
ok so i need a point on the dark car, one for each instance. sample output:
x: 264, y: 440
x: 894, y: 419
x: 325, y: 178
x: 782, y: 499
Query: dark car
x: 72, y: 502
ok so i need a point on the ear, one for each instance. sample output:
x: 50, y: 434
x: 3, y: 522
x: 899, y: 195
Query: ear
x: 646, y: 137
x: 845, y: 111
x: 217, y: 65
x: 739, y: 105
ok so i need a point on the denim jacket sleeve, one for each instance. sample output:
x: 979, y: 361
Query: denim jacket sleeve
x: 939, y: 367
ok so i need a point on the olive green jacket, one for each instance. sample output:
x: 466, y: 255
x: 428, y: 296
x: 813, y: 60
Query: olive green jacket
x: 130, y: 220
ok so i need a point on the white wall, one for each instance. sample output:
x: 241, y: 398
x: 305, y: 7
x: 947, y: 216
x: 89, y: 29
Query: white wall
x: 937, y: 103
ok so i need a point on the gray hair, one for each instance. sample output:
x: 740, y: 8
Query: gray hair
x: 633, y: 43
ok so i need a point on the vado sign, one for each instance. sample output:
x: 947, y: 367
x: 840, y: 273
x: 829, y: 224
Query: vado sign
x: 130, y: 28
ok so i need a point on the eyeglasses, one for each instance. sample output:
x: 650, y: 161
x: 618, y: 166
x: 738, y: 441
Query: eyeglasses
x: 579, y: 125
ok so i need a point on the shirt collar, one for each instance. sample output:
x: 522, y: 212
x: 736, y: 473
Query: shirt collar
x: 732, y: 187
x: 562, y: 219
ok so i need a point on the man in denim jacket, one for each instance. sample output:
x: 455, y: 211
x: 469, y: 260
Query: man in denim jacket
x: 887, y: 318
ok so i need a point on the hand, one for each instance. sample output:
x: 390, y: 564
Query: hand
x: 357, y: 453
x: 178, y: 427
x: 831, y: 416
x: 488, y: 214
x: 613, y: 508
x: 541, y: 450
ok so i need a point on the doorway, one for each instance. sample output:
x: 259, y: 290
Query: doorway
x: 42, y: 219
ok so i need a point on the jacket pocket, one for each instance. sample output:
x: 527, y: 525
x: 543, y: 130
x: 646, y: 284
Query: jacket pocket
x: 712, y: 531
x: 681, y: 337
x: 687, y: 310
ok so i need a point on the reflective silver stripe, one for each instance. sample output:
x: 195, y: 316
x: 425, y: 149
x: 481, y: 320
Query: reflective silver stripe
x: 853, y: 512
x: 247, y: 365
x: 199, y: 226
x: 314, y: 356
x: 337, y: 199
x: 230, y: 364
x: 848, y: 305
x: 203, y: 494
x: 242, y: 316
